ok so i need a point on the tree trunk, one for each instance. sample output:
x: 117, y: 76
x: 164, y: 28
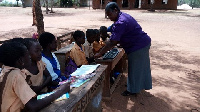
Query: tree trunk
x: 34, y: 16
x: 51, y: 6
x: 46, y: 6
x: 39, y: 18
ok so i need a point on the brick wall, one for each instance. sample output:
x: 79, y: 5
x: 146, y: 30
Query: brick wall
x: 171, y: 4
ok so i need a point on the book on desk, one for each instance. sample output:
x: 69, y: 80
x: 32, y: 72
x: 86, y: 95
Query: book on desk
x: 81, y: 75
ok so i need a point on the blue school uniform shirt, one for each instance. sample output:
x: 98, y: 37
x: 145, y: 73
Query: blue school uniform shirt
x: 54, y: 64
x: 129, y: 33
x: 53, y: 67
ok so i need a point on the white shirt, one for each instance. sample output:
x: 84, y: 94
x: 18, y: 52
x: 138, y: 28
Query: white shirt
x: 50, y: 67
x: 88, y: 49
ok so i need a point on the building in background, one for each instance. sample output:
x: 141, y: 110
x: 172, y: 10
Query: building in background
x: 143, y: 4
x: 123, y: 4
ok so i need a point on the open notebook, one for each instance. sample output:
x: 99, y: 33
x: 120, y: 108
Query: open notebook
x: 85, y: 69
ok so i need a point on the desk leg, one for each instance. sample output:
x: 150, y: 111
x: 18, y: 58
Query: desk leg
x: 95, y: 105
x: 106, y: 88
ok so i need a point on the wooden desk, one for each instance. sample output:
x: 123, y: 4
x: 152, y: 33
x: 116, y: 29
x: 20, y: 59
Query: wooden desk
x: 61, y: 54
x: 81, y: 98
x: 112, y: 63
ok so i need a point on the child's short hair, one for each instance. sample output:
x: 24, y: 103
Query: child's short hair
x: 103, y: 29
x: 77, y: 34
x: 28, y: 42
x: 18, y: 39
x: 11, y: 52
x: 46, y: 38
x: 89, y: 33
x: 96, y: 31
x: 97, y: 36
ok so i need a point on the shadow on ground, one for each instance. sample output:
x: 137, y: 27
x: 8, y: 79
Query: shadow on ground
x: 143, y: 102
x: 185, y: 67
x: 57, y: 14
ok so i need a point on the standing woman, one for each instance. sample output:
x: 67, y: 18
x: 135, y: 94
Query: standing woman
x: 136, y: 44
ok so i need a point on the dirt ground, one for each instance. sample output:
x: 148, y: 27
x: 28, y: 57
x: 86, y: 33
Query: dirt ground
x: 175, y: 52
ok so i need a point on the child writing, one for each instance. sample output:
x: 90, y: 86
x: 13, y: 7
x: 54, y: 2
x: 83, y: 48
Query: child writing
x: 15, y: 93
x: 96, y: 45
x: 77, y: 52
x: 48, y: 42
x: 37, y: 71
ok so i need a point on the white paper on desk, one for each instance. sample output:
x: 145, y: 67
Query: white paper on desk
x: 85, y: 69
x: 64, y: 96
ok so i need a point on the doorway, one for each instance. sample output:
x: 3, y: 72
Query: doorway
x: 124, y: 3
x: 136, y: 3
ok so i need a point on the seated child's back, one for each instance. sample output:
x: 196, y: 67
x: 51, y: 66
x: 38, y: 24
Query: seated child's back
x: 14, y: 90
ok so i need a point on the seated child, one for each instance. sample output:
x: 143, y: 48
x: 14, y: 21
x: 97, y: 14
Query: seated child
x: 96, y: 45
x: 48, y: 42
x: 15, y: 94
x: 104, y: 36
x: 20, y: 40
x: 39, y: 75
x: 77, y: 52
x: 88, y: 45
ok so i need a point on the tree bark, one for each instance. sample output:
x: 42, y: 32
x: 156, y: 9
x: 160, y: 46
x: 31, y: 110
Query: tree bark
x: 46, y: 2
x: 34, y: 16
x: 51, y: 6
x: 39, y: 18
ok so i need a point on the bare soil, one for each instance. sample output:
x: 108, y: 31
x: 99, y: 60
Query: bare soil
x: 175, y: 52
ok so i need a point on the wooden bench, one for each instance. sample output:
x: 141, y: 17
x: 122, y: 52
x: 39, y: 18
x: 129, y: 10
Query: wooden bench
x: 63, y: 39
